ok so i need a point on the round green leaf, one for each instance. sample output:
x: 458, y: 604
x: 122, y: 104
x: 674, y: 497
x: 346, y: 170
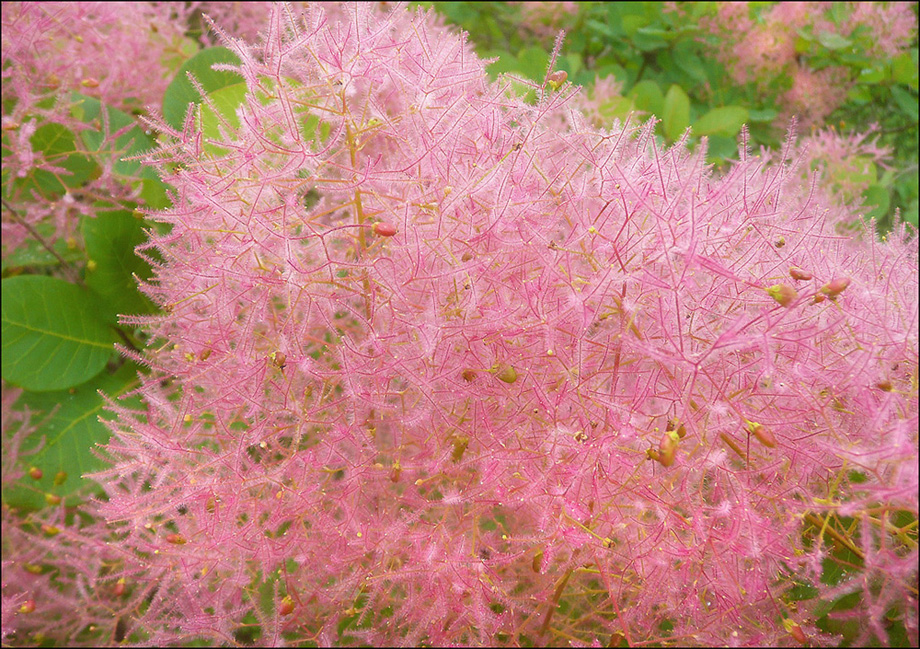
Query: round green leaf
x: 726, y: 120
x: 647, y: 96
x: 110, y: 241
x: 181, y: 92
x: 676, y: 114
x: 53, y: 336
x: 57, y: 144
x: 68, y: 433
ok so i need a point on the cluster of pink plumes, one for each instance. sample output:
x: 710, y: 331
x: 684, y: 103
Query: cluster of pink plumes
x: 432, y: 369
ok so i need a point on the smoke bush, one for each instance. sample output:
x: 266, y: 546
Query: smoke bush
x: 434, y: 368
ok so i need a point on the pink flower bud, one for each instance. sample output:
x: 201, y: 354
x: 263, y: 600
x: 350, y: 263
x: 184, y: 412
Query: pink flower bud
x: 667, y: 447
x: 795, y: 273
x: 384, y: 229
x: 835, y: 287
x: 783, y: 294
x: 762, y: 433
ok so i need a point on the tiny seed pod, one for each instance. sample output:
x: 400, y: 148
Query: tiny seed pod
x: 835, y: 287
x: 667, y: 448
x: 537, y: 562
x: 460, y: 444
x: 796, y: 273
x: 395, y: 472
x: 557, y: 78
x: 278, y: 359
x: 35, y: 473
x: 52, y: 499
x: 783, y: 294
x: 581, y: 437
x: 466, y: 256
x: 175, y: 539
x: 90, y: 82
x: 28, y: 606
x: 507, y: 374
x: 120, y: 587
x: 796, y: 631
x: 652, y: 454
x: 50, y: 530
x: 885, y: 385
x: 205, y: 354
x: 382, y: 229
x: 779, y: 243
x: 287, y: 606
x: 762, y: 433
x: 674, y: 424
x: 468, y: 375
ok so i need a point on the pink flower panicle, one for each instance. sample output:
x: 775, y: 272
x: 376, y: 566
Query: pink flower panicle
x: 432, y: 367
x: 51, y: 50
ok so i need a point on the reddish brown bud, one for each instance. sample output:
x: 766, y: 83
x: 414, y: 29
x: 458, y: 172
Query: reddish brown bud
x: 762, y: 433
x: 120, y: 587
x: 52, y: 499
x: 667, y: 447
x: 50, y: 530
x: 885, y: 385
x: 835, y: 287
x: 796, y: 631
x: 382, y: 229
x: 278, y: 359
x: 557, y: 78
x: 175, y: 539
x: 28, y: 606
x: 395, y: 472
x: 287, y: 606
x: 35, y: 473
x: 795, y: 273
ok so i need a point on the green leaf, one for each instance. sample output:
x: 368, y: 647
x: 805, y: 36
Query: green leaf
x: 648, y: 39
x: 762, y: 114
x: 876, y: 200
x: 906, y: 102
x: 833, y: 41
x: 904, y: 70
x: 181, y: 92
x: 676, y: 114
x: 110, y: 241
x: 532, y: 62
x: 873, y: 75
x: 647, y: 96
x: 58, y: 146
x: 225, y: 100
x: 31, y: 254
x: 69, y: 430
x: 53, y: 336
x: 130, y: 142
x: 726, y: 120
